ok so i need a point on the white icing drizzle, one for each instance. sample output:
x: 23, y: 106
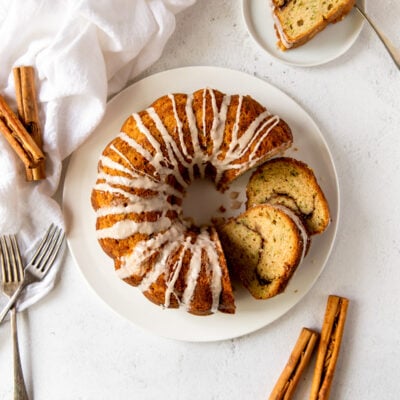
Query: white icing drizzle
x: 203, y: 129
x: 279, y: 27
x: 140, y: 183
x: 166, y: 244
x: 218, y: 124
x: 131, y: 166
x: 160, y: 266
x: 179, y: 127
x: 108, y: 163
x: 174, y: 154
x: 157, y: 205
x: 194, y: 132
x: 153, y: 203
x: 176, y: 269
x: 168, y: 157
x: 131, y: 263
x: 216, y: 282
x: 192, y: 275
x: 125, y: 228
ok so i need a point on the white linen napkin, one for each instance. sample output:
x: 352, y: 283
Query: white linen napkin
x: 83, y: 52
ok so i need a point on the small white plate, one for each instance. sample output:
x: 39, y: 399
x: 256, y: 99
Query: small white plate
x: 309, y: 146
x: 329, y: 44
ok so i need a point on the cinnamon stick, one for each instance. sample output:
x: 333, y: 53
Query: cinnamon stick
x: 17, y: 136
x: 25, y: 90
x: 329, y: 345
x: 298, y: 360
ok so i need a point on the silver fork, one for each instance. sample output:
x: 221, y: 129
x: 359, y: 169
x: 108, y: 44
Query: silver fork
x: 40, y: 264
x: 392, y: 50
x: 12, y: 276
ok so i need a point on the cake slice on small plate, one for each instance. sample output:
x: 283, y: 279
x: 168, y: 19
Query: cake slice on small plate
x: 298, y: 21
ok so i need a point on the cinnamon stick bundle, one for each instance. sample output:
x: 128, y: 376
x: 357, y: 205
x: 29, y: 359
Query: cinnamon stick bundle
x: 298, y: 360
x: 329, y: 345
x: 17, y: 136
x: 25, y: 89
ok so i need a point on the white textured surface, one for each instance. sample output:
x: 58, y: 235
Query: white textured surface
x: 74, y: 347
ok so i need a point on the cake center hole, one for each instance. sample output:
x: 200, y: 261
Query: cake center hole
x: 203, y: 202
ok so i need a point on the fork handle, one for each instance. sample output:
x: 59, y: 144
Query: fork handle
x: 20, y: 392
x: 394, y: 53
x: 11, y: 302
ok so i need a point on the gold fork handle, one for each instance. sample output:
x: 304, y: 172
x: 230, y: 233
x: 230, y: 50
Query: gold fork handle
x: 392, y: 50
x: 20, y: 392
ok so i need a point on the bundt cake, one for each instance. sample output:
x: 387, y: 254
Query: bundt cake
x: 291, y: 183
x: 264, y: 246
x: 142, y: 179
x: 298, y: 21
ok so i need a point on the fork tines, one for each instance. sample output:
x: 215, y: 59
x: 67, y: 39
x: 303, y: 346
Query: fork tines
x: 48, y: 248
x: 10, y: 258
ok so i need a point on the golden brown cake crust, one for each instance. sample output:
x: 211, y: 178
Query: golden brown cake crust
x: 143, y: 174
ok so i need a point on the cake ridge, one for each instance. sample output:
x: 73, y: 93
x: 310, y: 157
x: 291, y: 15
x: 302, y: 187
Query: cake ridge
x: 238, y: 148
x: 146, y: 249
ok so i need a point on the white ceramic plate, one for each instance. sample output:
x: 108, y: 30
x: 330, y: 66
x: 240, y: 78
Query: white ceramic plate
x: 309, y: 146
x: 329, y: 44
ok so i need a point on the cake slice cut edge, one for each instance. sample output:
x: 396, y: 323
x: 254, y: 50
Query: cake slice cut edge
x: 264, y: 246
x: 291, y: 183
